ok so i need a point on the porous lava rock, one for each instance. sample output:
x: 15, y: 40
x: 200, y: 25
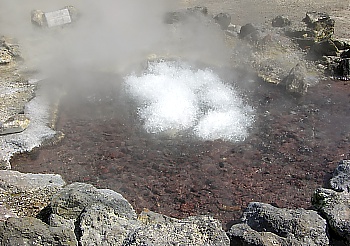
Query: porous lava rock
x: 104, y: 217
x: 32, y: 231
x: 264, y: 224
x: 335, y: 207
x: 25, y: 194
x: 281, y: 21
x: 223, y: 19
x: 296, y: 81
x: 341, y: 177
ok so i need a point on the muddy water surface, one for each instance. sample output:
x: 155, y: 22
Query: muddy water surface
x: 294, y: 146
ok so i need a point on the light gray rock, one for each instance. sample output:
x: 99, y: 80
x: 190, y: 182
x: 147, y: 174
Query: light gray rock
x: 341, y: 177
x: 25, y: 193
x: 104, y: 217
x: 31, y: 231
x: 280, y: 21
x: 290, y: 227
x: 100, y: 225
x: 16, y: 182
x: 242, y: 234
x: 335, y: 207
x: 162, y: 230
x: 71, y: 201
x: 98, y: 216
x: 223, y: 19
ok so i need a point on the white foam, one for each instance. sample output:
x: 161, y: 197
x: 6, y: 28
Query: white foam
x: 173, y: 96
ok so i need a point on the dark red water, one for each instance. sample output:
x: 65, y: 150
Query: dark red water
x: 295, y: 145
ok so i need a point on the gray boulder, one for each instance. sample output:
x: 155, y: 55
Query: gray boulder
x: 97, y: 216
x: 335, y: 207
x: 223, y: 19
x: 162, y: 230
x: 25, y: 194
x: 32, y: 231
x: 100, y: 225
x: 321, y: 23
x: 263, y: 224
x: 341, y: 177
x: 281, y: 21
x: 104, y: 217
x: 75, y: 198
x: 247, y: 30
x: 296, y: 81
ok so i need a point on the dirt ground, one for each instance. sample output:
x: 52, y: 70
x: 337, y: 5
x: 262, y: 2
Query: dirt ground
x: 253, y: 11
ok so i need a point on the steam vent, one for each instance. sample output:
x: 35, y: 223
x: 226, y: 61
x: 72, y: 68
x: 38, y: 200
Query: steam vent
x: 129, y: 122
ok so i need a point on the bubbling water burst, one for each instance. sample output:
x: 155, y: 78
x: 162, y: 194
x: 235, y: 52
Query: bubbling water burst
x: 172, y: 97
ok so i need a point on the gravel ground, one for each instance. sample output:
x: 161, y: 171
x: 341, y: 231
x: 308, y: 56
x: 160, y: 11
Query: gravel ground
x: 253, y: 11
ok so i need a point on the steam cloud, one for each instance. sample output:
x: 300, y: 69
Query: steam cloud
x: 174, y: 97
x: 113, y: 36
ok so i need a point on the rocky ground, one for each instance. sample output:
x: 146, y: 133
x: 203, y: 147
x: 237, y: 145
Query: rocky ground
x: 298, y: 142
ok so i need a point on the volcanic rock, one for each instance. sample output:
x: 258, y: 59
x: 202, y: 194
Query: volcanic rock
x: 223, y: 19
x: 264, y: 224
x: 15, y: 124
x: 32, y: 231
x: 341, y: 177
x: 281, y: 21
x: 246, y: 30
x: 101, y: 216
x: 343, y: 69
x: 296, y: 81
x: 179, y: 16
x: 335, y: 207
x: 27, y: 194
x: 345, y: 54
x: 321, y: 23
x: 324, y: 48
x: 162, y: 230
x: 5, y: 56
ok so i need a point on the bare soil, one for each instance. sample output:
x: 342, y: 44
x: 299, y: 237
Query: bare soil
x: 254, y: 11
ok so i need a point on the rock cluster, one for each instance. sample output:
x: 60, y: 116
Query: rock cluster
x: 295, y: 55
x: 40, y: 209
x: 80, y: 214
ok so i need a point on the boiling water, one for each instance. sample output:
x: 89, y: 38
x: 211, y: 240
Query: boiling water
x: 173, y: 97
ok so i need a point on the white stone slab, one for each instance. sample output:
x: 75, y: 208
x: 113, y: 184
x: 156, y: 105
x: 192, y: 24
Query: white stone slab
x: 58, y: 18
